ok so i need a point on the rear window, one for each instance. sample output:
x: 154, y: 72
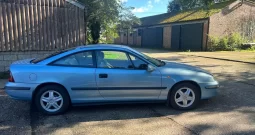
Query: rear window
x: 51, y: 55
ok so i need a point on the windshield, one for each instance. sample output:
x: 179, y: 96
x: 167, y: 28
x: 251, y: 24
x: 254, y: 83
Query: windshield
x: 154, y: 61
x: 51, y: 55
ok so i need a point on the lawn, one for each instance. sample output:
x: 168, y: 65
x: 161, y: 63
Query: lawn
x: 114, y: 55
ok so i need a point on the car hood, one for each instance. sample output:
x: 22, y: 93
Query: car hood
x: 181, y: 66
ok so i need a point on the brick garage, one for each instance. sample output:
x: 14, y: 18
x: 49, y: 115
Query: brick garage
x: 189, y: 30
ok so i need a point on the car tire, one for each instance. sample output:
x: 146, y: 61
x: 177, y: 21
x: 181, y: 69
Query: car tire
x: 190, y: 98
x: 52, y: 105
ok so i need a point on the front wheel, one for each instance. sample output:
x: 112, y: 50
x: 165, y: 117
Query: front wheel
x: 184, y: 96
x: 52, y: 100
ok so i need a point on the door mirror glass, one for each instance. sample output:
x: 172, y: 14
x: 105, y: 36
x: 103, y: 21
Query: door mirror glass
x: 150, y: 68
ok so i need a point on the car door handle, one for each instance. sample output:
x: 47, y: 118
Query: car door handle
x: 103, y: 75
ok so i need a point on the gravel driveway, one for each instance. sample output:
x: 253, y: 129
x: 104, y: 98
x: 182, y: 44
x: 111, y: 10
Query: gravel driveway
x: 231, y: 112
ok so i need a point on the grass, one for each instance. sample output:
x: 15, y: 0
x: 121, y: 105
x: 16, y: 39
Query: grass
x: 198, y: 13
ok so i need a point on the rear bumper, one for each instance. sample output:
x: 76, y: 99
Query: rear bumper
x: 209, y: 90
x: 20, y: 91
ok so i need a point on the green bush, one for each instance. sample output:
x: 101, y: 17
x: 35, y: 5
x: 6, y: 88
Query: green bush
x: 226, y: 43
x: 213, y: 43
x: 223, y: 44
x: 235, y: 41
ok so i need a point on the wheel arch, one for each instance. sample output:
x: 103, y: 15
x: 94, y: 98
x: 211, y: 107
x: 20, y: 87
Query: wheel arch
x: 46, y: 84
x: 185, y: 81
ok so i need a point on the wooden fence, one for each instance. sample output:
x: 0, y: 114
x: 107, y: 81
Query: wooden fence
x: 27, y: 25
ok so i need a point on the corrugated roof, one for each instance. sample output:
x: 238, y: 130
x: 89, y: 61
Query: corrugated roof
x: 188, y: 15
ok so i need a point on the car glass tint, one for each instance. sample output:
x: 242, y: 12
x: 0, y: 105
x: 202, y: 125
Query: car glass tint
x: 82, y: 59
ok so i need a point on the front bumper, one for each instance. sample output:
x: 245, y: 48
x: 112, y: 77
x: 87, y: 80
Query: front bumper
x: 209, y: 90
x: 20, y: 91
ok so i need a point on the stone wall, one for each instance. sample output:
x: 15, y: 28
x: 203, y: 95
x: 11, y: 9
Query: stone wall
x: 6, y: 58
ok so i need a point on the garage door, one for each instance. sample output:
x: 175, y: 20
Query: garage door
x: 187, y: 37
x: 176, y: 31
x: 191, y: 37
x: 152, y: 38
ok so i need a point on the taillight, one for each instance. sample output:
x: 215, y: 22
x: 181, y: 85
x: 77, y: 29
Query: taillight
x: 11, y: 79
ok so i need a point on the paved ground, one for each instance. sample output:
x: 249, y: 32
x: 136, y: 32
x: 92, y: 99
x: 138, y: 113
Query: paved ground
x: 231, y: 112
x: 238, y: 56
x: 2, y: 83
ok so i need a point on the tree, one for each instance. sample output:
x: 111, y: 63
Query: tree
x: 173, y: 6
x: 177, y: 5
x: 103, y: 17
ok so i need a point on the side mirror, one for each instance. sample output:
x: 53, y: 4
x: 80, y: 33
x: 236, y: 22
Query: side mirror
x: 150, y: 68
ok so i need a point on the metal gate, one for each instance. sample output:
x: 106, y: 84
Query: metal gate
x: 187, y: 37
x: 152, y: 38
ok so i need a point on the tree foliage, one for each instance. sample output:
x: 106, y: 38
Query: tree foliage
x: 104, y: 17
x: 177, y: 5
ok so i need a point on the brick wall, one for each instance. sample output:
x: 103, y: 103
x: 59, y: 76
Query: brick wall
x: 167, y: 37
x: 229, y: 19
x: 6, y: 58
x: 205, y: 35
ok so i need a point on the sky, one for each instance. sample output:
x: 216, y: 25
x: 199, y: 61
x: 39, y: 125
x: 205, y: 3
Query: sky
x: 143, y: 8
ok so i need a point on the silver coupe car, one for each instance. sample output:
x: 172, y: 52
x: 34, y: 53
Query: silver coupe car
x: 106, y: 74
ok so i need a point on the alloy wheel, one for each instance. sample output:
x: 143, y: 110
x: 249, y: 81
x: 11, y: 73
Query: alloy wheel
x: 184, y: 97
x: 51, y: 101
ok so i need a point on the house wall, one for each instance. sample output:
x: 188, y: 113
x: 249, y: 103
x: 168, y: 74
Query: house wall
x: 229, y: 19
x: 6, y: 58
x: 167, y: 37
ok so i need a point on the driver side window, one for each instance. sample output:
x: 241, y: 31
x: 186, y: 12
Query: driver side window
x: 138, y: 63
x: 113, y: 59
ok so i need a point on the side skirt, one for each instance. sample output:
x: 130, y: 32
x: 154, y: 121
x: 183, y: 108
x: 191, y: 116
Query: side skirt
x: 118, y: 102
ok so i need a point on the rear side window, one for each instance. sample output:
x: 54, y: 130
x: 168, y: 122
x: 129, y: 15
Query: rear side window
x: 82, y: 59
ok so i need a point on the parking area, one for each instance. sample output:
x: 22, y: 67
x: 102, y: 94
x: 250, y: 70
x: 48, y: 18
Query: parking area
x: 231, y: 112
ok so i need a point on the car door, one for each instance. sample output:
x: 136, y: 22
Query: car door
x: 118, y: 78
x: 77, y: 73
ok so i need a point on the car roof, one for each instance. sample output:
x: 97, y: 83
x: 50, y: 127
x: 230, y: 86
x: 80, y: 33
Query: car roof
x: 85, y: 48
x: 102, y: 46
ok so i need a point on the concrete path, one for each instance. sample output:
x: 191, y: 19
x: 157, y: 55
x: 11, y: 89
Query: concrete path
x: 2, y: 83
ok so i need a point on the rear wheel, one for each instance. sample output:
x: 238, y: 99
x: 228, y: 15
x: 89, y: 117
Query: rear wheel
x: 52, y: 99
x: 184, y: 96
